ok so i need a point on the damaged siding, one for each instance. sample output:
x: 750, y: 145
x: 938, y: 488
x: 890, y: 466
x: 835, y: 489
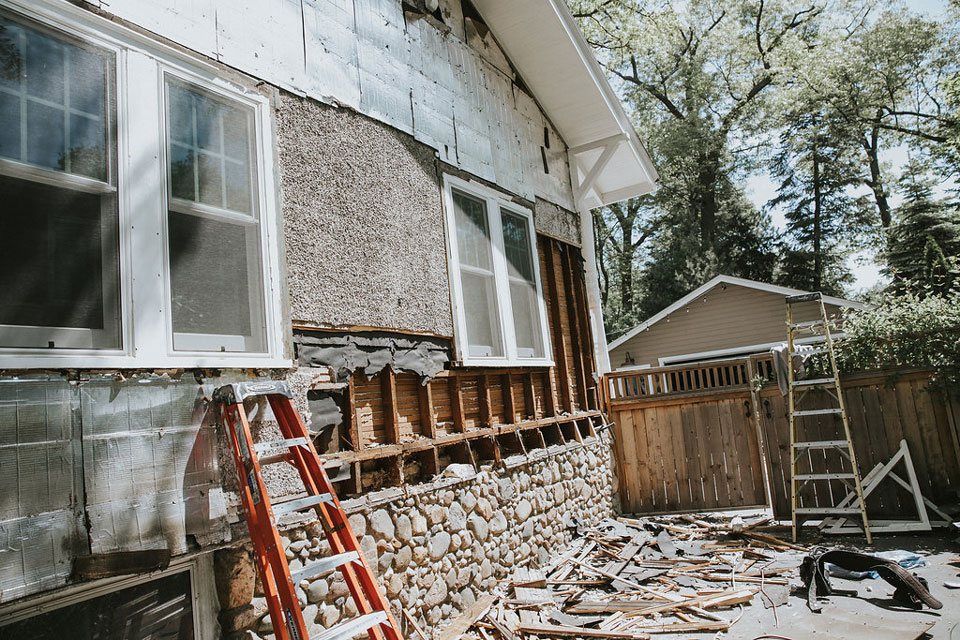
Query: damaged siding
x: 407, y: 71
x: 362, y: 221
x: 41, y: 488
x: 103, y: 465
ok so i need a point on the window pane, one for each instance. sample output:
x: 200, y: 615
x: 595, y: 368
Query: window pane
x: 483, y: 325
x: 60, y: 261
x: 9, y: 125
x: 53, y: 102
x: 215, y: 284
x: 523, y: 285
x: 209, y: 140
x: 159, y: 609
x: 473, y: 232
x: 516, y: 245
x: 526, y: 319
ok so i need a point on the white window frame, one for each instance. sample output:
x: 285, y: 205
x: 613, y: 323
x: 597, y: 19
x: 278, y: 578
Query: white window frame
x: 494, y: 202
x: 141, y: 66
x: 202, y: 589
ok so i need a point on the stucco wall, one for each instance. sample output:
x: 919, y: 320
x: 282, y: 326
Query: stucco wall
x: 557, y: 222
x: 363, y: 222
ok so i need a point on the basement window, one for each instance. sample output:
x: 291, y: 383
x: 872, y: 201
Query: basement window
x: 495, y: 278
x: 129, y: 248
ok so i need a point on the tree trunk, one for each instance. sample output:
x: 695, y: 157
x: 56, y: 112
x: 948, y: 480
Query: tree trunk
x: 871, y: 146
x: 707, y: 199
x: 625, y: 265
x: 817, y: 258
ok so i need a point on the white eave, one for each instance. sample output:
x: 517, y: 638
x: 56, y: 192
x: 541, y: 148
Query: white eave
x: 542, y: 40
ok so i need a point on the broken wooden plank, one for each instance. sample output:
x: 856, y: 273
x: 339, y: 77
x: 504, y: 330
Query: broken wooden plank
x: 477, y: 610
x: 564, y: 631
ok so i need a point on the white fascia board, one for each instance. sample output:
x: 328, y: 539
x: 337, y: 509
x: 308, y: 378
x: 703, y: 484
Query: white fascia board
x: 740, y: 282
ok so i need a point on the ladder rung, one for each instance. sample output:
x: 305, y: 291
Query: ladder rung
x: 816, y: 412
x: 813, y: 382
x: 829, y: 510
x: 276, y: 450
x: 824, y: 476
x: 820, y: 444
x: 352, y: 627
x: 807, y: 325
x: 322, y: 565
x: 273, y: 445
x: 810, y: 352
x: 301, y: 503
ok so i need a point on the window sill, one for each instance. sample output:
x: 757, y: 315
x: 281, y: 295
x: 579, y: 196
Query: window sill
x: 21, y: 360
x: 525, y: 363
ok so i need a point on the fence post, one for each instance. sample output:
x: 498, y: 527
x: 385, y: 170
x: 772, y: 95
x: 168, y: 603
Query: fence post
x: 761, y: 443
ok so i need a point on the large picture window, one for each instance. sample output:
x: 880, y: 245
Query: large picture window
x: 136, y: 227
x: 495, y: 278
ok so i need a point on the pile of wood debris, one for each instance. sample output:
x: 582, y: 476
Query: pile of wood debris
x: 629, y: 578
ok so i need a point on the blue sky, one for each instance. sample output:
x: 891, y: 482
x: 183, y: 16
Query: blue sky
x: 760, y: 189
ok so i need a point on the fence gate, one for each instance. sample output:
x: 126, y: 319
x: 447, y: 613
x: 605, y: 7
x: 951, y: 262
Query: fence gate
x: 687, y: 438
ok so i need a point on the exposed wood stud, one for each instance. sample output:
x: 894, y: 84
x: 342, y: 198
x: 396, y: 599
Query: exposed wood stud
x: 470, y: 456
x: 559, y: 346
x: 529, y: 396
x: 432, y: 460
x: 550, y: 397
x: 497, y: 456
x: 391, y: 415
x: 574, y: 320
x: 483, y: 389
x: 353, y: 430
x: 354, y: 484
x: 509, y: 406
x: 543, y: 441
x: 586, y: 334
x: 428, y: 419
x: 456, y: 404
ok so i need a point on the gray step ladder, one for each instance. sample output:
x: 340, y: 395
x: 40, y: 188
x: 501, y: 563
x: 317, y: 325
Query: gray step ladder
x: 800, y: 448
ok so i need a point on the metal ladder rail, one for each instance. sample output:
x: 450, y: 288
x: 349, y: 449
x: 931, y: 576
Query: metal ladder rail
x: 375, y: 616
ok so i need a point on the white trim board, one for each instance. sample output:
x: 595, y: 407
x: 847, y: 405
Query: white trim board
x: 722, y: 279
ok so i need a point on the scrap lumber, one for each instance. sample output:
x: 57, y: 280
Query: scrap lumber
x: 459, y: 626
x: 564, y: 631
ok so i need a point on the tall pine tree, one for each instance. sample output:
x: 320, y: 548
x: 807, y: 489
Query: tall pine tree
x: 818, y: 173
x: 925, y: 236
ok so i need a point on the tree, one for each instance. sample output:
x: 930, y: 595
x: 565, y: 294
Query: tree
x: 925, y: 235
x: 620, y: 231
x: 818, y: 169
x: 884, y: 77
x: 704, y: 69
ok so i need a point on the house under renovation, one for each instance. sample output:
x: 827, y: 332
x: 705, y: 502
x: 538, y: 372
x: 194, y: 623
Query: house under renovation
x: 383, y: 204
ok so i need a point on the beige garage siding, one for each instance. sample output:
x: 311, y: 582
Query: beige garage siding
x: 725, y: 317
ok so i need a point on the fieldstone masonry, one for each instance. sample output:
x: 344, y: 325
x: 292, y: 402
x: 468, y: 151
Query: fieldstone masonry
x: 437, y: 546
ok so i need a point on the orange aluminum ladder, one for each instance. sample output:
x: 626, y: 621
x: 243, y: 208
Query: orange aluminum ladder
x: 279, y: 584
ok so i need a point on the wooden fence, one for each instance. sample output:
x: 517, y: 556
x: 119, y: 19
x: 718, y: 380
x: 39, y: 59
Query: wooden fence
x: 701, y: 436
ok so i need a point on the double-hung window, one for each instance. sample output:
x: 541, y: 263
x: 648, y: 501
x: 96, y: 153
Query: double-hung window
x: 497, y: 295
x: 136, y: 224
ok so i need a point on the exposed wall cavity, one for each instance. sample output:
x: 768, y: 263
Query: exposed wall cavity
x: 556, y: 221
x: 363, y: 222
x: 372, y: 351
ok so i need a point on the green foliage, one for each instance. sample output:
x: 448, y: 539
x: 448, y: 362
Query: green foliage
x: 914, y: 328
x: 926, y: 234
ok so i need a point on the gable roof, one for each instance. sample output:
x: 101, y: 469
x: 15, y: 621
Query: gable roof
x: 740, y: 282
x: 542, y: 40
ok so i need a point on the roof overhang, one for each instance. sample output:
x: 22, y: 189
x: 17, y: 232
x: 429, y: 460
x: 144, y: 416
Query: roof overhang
x: 540, y: 37
x: 740, y: 282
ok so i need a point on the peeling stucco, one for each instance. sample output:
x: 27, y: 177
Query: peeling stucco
x: 556, y: 221
x: 363, y: 222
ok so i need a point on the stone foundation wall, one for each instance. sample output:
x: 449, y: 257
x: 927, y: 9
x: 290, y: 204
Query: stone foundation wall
x: 437, y: 546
